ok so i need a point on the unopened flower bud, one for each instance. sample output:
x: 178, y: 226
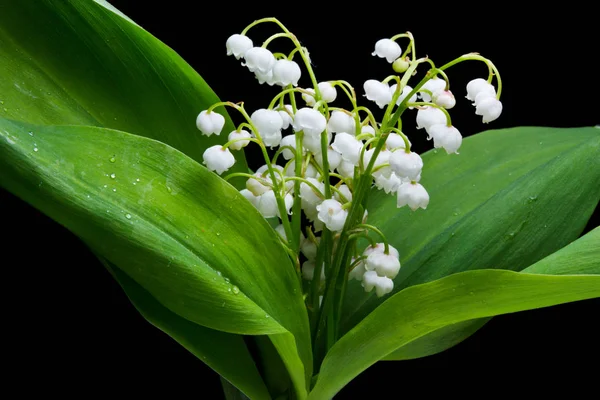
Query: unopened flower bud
x: 400, y: 65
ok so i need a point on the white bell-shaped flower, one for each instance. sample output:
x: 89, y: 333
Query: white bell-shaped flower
x: 310, y: 198
x: 367, y: 130
x: 332, y: 214
x: 267, y: 121
x: 266, y: 77
x: 311, y: 121
x: 210, y: 122
x: 237, y: 135
x: 259, y: 59
x: 263, y: 183
x: 427, y: 116
x: 272, y: 139
x: 378, y: 92
x: 406, y: 165
x: 382, y: 284
x: 380, y: 248
x: 405, y: 92
x: 289, y: 140
x: 313, y: 142
x: 218, y: 159
x: 489, y: 108
x: 389, y: 184
x: 269, y: 124
x: 433, y: 85
x: 412, y: 194
x: 309, y: 248
x: 379, y: 168
x: 333, y: 158
x: 328, y: 91
x: 238, y: 45
x: 344, y: 190
x: 388, y: 49
x: 328, y: 94
x: 249, y: 196
x: 444, y: 98
x: 395, y: 141
x: 267, y: 204
x: 310, y: 172
x: 478, y: 86
x: 287, y: 116
x: 339, y: 121
x: 358, y: 271
x: 346, y: 169
x: 260, y: 185
x: 348, y: 146
x: 310, y: 100
x: 286, y: 72
x: 447, y: 137
x: 384, y: 264
x: 308, y: 271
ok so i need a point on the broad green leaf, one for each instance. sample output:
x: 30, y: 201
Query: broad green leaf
x: 437, y: 341
x: 83, y: 63
x: 224, y: 352
x: 510, y: 198
x: 557, y: 263
x: 580, y: 257
x: 419, y: 310
x: 181, y: 232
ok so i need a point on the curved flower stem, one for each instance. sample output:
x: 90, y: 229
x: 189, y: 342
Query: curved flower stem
x: 284, y: 92
x: 477, y: 57
x: 273, y: 37
x: 311, y: 185
x: 249, y: 176
x: 226, y: 145
x: 404, y: 138
x: 377, y: 231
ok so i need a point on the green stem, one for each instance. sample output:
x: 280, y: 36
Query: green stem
x: 377, y: 231
x: 477, y: 57
x: 273, y: 37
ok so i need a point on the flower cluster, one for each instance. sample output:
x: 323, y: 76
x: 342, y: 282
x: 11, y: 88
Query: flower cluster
x: 321, y: 160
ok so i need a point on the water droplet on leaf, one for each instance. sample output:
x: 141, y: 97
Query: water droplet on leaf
x: 112, y: 159
x: 113, y: 176
x: 128, y: 216
x: 236, y: 290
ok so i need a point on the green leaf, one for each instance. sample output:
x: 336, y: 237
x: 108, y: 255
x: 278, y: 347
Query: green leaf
x: 419, y: 310
x: 437, y: 341
x: 510, y: 198
x: 81, y: 63
x: 557, y: 263
x: 185, y: 235
x: 224, y: 352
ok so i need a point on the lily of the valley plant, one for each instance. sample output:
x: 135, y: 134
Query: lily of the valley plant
x: 344, y: 248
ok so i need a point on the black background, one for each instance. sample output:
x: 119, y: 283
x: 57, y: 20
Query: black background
x: 70, y: 323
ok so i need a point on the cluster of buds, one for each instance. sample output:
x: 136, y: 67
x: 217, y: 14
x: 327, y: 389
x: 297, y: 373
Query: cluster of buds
x: 332, y: 156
